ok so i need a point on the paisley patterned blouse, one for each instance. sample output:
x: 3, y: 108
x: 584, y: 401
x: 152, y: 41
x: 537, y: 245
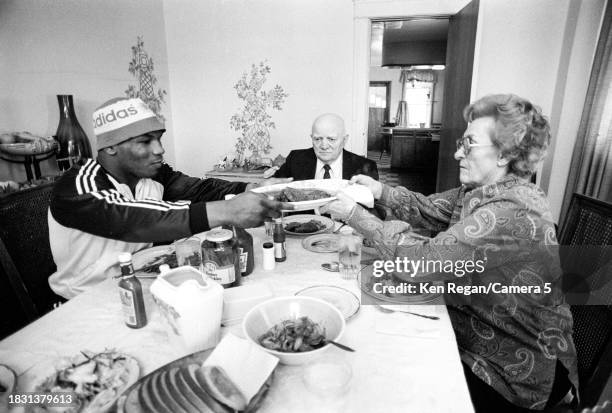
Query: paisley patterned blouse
x: 511, y: 341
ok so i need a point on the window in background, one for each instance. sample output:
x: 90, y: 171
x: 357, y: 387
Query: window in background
x: 418, y: 97
x: 378, y: 97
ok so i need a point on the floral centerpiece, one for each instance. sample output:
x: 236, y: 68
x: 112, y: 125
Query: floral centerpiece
x: 253, y: 120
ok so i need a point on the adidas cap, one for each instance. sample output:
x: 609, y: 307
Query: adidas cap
x: 120, y: 119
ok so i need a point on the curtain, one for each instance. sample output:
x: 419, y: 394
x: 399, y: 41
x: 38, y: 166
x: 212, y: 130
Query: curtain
x: 406, y: 76
x: 591, y: 167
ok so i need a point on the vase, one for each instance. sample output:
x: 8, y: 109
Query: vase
x: 74, y: 145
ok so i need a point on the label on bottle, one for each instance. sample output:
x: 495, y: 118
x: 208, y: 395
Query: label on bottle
x: 129, y: 306
x: 244, y: 256
x: 279, y: 250
x: 222, y: 274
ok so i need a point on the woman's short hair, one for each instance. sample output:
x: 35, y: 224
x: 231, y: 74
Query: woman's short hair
x: 522, y: 133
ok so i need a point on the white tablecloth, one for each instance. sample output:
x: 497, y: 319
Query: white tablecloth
x: 402, y: 362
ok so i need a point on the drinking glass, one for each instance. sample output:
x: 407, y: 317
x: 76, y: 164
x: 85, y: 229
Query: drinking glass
x: 349, y: 255
x: 189, y: 252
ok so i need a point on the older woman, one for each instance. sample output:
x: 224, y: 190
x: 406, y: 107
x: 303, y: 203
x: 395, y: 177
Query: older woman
x: 516, y: 347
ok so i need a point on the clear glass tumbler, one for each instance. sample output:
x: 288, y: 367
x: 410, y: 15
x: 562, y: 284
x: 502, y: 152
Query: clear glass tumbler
x: 189, y: 252
x: 349, y: 255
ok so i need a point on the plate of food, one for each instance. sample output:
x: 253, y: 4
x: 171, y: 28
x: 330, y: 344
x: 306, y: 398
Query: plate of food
x: 339, y: 297
x: 146, y: 262
x: 374, y: 288
x: 321, y: 243
x: 184, y: 385
x: 314, y: 193
x: 95, y: 380
x: 305, y: 224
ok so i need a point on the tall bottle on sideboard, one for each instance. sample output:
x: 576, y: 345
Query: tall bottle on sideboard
x: 73, y: 142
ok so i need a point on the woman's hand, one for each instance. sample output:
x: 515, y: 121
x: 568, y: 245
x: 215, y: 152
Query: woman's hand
x: 341, y: 208
x: 372, y: 184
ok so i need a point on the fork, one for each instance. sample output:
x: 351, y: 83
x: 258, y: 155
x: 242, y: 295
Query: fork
x: 386, y: 310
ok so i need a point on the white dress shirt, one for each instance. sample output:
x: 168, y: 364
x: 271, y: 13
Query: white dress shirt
x: 335, y: 171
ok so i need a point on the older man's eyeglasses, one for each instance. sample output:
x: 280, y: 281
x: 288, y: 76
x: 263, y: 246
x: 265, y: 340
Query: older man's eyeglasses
x: 467, y: 146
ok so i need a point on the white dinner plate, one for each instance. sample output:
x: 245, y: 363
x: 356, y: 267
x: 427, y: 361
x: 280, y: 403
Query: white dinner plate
x: 341, y: 298
x: 321, y: 243
x: 326, y: 224
x: 149, y: 256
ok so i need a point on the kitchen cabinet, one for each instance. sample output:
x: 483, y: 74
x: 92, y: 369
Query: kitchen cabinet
x: 414, y: 148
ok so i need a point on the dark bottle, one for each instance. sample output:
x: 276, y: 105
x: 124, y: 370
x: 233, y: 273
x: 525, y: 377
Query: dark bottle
x: 244, y: 242
x: 130, y: 292
x: 74, y: 145
x: 280, y: 252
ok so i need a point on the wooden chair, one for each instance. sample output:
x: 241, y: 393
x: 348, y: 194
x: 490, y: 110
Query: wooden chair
x: 25, y: 254
x: 589, y: 223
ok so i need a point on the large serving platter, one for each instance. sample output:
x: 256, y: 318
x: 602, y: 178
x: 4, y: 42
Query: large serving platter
x: 166, y: 392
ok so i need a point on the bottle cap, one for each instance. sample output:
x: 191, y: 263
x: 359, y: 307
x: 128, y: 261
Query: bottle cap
x: 219, y: 235
x: 164, y: 268
x: 278, y: 220
x: 125, y: 257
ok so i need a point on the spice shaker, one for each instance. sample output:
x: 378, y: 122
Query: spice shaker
x: 280, y: 251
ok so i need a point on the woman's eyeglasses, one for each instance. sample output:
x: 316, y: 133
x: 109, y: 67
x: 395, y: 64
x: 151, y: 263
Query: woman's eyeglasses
x: 467, y: 146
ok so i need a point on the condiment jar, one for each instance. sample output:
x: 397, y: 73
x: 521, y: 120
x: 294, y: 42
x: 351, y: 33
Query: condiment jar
x: 221, y: 258
x: 130, y: 292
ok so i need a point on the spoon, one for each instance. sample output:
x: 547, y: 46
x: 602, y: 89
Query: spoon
x: 342, y: 346
x: 386, y: 310
x: 333, y: 266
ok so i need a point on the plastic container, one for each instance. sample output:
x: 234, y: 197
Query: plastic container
x: 191, y: 305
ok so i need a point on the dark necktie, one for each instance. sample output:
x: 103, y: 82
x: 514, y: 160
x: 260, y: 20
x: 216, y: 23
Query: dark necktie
x: 326, y: 175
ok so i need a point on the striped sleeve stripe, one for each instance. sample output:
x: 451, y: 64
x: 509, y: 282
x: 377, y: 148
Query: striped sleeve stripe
x: 86, y: 178
x: 115, y: 197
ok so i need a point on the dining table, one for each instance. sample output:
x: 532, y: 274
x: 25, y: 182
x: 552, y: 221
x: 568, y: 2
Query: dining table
x: 401, y: 363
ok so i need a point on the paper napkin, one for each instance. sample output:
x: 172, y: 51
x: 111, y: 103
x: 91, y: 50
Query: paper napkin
x: 360, y: 194
x: 247, y: 366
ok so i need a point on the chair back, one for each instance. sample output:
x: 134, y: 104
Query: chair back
x: 589, y: 223
x: 25, y: 253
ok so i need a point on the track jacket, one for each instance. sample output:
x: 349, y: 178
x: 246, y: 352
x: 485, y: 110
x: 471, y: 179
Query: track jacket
x: 92, y: 218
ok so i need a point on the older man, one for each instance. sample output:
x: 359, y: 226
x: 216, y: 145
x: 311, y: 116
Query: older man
x: 327, y: 157
x: 129, y: 198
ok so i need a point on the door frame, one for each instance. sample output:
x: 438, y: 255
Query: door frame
x: 387, y: 85
x: 364, y: 12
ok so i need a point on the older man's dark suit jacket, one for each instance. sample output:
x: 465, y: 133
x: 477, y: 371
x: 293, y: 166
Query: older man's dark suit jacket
x: 301, y: 164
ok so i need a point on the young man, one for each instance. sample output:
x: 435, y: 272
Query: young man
x: 327, y: 157
x: 129, y: 198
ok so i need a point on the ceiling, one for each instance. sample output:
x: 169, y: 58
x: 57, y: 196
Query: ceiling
x: 398, y: 31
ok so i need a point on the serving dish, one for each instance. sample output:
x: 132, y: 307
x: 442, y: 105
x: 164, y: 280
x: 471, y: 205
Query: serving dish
x: 175, y: 387
x: 341, y: 298
x: 328, y: 185
x: 261, y: 318
x: 326, y: 224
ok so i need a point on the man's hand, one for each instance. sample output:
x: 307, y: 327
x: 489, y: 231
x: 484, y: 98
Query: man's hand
x: 341, y: 208
x: 246, y: 210
x: 266, y: 182
x: 372, y: 184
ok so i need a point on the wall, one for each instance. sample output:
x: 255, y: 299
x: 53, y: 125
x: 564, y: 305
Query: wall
x: 307, y: 43
x: 52, y: 47
x: 541, y: 50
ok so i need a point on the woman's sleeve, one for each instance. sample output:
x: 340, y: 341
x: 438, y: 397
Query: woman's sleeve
x: 493, y: 235
x: 431, y: 212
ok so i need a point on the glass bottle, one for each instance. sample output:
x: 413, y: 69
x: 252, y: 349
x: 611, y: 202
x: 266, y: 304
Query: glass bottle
x: 130, y: 292
x: 220, y: 258
x: 280, y: 251
x: 73, y: 142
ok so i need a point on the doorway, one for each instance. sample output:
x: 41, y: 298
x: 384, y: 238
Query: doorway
x: 459, y: 57
x: 378, y: 114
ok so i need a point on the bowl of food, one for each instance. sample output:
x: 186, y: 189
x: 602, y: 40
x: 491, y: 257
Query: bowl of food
x: 295, y: 329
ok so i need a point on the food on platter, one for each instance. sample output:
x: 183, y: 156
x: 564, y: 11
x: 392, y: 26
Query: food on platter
x: 153, y: 265
x: 25, y: 143
x: 217, y: 383
x: 294, y: 336
x: 305, y: 227
x: 95, y: 379
x: 298, y: 195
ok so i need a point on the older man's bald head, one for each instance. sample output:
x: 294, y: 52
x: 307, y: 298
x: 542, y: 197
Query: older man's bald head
x: 328, y: 137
